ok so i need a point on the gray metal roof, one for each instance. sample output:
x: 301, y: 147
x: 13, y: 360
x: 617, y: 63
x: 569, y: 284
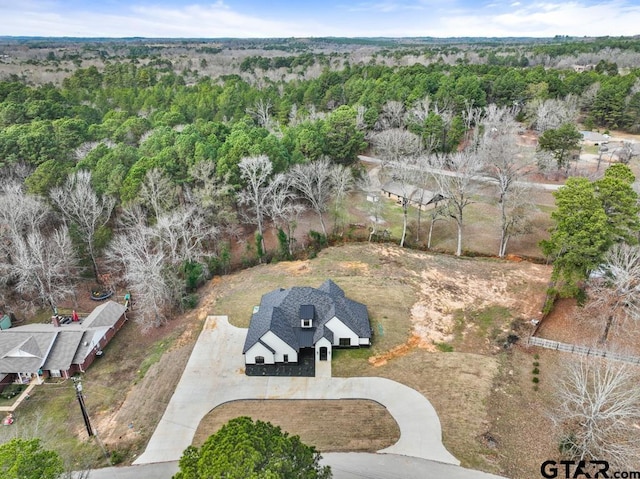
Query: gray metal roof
x: 279, y: 312
x: 594, y: 136
x: 413, y: 193
x: 305, y: 337
x: 307, y: 311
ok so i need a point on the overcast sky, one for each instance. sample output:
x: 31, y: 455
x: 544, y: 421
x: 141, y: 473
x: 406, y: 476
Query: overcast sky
x: 315, y: 18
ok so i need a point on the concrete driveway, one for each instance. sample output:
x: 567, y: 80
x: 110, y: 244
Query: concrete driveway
x: 215, y: 375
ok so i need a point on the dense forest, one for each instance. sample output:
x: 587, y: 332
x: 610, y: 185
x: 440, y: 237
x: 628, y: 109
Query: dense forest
x: 145, y: 163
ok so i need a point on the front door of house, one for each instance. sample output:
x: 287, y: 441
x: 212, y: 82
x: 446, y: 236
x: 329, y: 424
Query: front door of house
x: 323, y: 353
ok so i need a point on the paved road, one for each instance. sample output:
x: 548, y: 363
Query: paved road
x: 343, y: 466
x: 215, y: 375
x: 481, y: 179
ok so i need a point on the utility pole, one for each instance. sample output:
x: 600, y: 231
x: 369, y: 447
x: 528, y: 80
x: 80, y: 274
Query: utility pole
x: 85, y: 415
x: 83, y: 408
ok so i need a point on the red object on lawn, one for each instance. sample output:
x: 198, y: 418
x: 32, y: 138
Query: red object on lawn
x: 74, y: 316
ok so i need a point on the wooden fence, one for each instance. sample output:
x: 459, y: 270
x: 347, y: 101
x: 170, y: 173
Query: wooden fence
x: 585, y: 350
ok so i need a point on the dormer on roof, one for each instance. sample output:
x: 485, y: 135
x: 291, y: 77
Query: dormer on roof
x: 307, y: 312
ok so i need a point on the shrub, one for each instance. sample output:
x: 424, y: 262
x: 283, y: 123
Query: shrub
x: 12, y: 390
x: 536, y: 379
x: 190, y: 301
x: 536, y: 371
x: 567, y: 445
x: 444, y: 347
x: 117, y: 457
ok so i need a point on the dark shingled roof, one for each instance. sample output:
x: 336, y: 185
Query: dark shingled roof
x: 280, y: 313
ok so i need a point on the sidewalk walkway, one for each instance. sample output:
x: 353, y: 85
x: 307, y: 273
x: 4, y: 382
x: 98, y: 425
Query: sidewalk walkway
x: 215, y: 375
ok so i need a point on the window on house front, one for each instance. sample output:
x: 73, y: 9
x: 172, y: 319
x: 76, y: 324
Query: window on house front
x: 306, y: 323
x: 345, y: 342
x: 259, y: 359
x: 286, y: 358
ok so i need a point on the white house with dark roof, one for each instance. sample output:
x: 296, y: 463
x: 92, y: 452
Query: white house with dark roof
x: 58, y: 350
x: 289, y: 321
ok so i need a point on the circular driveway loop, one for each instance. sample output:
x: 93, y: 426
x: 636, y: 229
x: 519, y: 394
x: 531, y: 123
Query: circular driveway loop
x: 215, y: 375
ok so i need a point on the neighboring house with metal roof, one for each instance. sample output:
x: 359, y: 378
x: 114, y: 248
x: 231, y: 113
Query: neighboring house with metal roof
x: 419, y: 197
x: 56, y: 349
x: 289, y: 321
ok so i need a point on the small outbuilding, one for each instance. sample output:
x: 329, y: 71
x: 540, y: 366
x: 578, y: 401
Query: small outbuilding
x: 418, y: 197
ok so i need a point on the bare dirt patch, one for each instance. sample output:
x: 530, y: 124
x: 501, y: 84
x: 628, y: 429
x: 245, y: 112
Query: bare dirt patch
x: 327, y: 424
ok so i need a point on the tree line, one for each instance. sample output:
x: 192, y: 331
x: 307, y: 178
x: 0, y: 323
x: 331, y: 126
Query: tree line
x: 134, y: 168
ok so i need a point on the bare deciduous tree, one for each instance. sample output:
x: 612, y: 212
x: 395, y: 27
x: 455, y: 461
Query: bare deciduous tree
x: 283, y: 208
x: 391, y: 116
x: 79, y: 203
x: 598, y: 411
x: 370, y: 184
x: 456, y: 178
x: 394, y: 144
x: 42, y: 266
x: 20, y: 213
x: 293, y: 119
x: 614, y: 294
x: 437, y: 213
x: 314, y: 182
x: 150, y: 258
x: 255, y: 171
x: 403, y: 174
x: 144, y: 267
x: 261, y: 112
x: 515, y: 212
x: 472, y: 115
x: 181, y: 233
x: 419, y: 112
x: 626, y: 152
x: 499, y: 150
x: 552, y: 113
x: 212, y: 195
x: 361, y: 123
x: 342, y: 180
x: 157, y: 192
x: 589, y: 96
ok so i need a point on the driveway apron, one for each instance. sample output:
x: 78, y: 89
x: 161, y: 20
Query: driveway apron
x: 215, y: 375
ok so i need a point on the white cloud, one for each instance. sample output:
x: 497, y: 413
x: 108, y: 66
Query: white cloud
x: 548, y: 19
x: 383, y: 7
x: 214, y: 20
x: 400, y: 18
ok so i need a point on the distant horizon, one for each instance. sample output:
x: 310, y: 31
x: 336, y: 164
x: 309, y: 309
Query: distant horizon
x: 245, y: 19
x: 329, y: 37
